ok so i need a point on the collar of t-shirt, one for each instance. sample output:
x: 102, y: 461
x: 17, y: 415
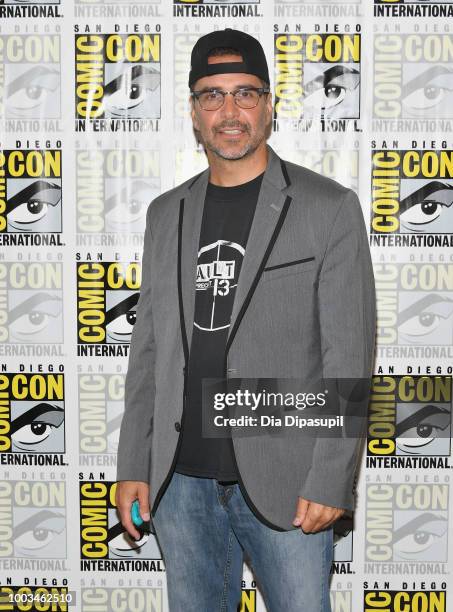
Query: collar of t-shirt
x: 228, y: 194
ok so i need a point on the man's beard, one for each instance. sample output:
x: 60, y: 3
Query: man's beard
x: 247, y: 149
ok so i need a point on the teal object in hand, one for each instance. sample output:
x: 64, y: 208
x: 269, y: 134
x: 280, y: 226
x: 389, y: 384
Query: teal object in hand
x: 135, y: 514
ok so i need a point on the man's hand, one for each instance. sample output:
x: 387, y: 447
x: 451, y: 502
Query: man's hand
x: 312, y: 517
x: 127, y: 491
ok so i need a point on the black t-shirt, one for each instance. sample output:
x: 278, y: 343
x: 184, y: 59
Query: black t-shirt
x: 227, y: 216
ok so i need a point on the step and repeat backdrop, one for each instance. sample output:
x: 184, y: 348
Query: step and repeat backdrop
x: 95, y: 124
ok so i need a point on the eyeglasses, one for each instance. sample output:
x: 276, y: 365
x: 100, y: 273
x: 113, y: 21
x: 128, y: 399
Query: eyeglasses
x: 244, y: 97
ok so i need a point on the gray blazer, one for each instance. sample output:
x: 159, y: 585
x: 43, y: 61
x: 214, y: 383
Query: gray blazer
x: 304, y: 307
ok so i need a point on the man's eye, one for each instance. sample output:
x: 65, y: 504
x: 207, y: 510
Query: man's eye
x: 244, y: 93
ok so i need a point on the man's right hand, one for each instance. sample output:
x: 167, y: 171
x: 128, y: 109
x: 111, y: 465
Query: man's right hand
x: 127, y: 491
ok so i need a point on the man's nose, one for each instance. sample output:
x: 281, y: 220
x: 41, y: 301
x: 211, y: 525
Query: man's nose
x: 230, y: 108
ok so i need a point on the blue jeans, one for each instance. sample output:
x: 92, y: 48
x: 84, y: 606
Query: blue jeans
x: 205, y: 529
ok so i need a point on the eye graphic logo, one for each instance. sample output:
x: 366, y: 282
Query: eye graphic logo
x: 317, y: 76
x: 101, y: 409
x: 120, y: 316
x: 37, y: 519
x: 331, y: 92
x: 407, y: 522
x: 102, y: 534
x: 31, y: 85
x: 419, y: 432
x: 28, y: 207
x: 410, y: 416
x: 412, y: 80
x: 428, y: 208
x: 131, y: 91
x: 37, y: 428
x: 107, y: 297
x: 36, y: 317
x: 31, y: 182
x: 118, y: 76
x: 412, y: 192
x: 33, y: 311
x: 425, y: 319
x: 125, y: 208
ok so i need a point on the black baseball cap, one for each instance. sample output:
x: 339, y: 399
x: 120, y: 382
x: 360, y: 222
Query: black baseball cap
x: 253, y: 57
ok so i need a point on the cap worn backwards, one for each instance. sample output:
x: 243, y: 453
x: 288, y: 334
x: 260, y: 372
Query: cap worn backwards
x: 253, y: 57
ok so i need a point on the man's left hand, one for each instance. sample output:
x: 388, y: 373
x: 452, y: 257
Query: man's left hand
x: 312, y: 517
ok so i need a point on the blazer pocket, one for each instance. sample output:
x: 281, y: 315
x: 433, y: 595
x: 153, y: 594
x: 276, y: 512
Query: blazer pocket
x: 295, y: 266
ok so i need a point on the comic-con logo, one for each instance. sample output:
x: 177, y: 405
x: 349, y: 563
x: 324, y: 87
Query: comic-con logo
x: 406, y: 522
x: 409, y: 416
x: 30, y: 76
x: 33, y: 521
x: 413, y: 80
x: 30, y: 193
x: 317, y: 77
x: 32, y: 413
x: 101, y: 409
x: 31, y: 304
x: 114, y: 189
x: 412, y: 193
x: 117, y: 76
x: 107, y: 294
x: 102, y: 535
x: 405, y: 600
x: 216, y: 8
x: 119, y: 599
x: 415, y: 308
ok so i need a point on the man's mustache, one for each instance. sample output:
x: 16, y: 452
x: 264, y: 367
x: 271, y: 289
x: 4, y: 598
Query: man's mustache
x: 232, y: 126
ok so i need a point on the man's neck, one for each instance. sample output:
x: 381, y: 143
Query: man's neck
x: 229, y: 173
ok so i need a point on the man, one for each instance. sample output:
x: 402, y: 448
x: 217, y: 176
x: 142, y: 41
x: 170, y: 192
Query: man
x: 255, y: 268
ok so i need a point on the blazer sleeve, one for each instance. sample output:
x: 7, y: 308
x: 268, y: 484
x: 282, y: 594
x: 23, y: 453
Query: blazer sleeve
x: 347, y: 322
x: 134, y: 447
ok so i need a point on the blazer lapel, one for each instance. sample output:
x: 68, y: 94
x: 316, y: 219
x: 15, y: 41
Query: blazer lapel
x: 193, y: 203
x: 270, y: 210
x: 269, y: 213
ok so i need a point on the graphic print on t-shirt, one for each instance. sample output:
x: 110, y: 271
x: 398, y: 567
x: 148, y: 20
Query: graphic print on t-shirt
x: 218, y: 268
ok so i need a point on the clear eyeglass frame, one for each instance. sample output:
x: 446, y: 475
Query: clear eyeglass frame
x: 244, y: 97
